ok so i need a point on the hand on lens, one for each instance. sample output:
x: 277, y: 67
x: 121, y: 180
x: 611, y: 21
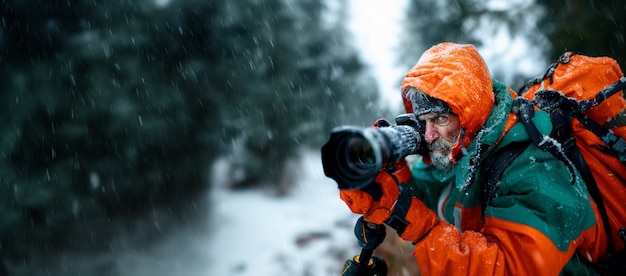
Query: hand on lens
x: 376, y: 201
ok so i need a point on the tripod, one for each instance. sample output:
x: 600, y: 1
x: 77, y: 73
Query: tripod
x: 369, y: 236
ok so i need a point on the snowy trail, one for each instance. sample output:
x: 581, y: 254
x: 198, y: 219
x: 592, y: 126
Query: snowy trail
x: 308, y: 232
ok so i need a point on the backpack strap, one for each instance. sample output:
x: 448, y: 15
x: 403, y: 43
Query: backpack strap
x: 494, y: 168
x: 563, y: 147
x: 604, y: 94
x: 618, y: 121
x: 616, y: 145
x: 525, y: 111
x: 554, y: 101
x: 574, y: 154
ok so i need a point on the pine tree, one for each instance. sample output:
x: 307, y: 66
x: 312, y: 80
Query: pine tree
x: 595, y: 28
x: 114, y: 109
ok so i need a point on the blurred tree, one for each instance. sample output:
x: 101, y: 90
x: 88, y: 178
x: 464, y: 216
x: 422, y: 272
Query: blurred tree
x: 550, y: 26
x: 286, y: 90
x: 596, y: 28
x: 111, y: 109
x: 102, y: 117
x: 430, y: 22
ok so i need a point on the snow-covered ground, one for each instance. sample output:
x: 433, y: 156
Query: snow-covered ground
x: 249, y: 232
x: 309, y: 232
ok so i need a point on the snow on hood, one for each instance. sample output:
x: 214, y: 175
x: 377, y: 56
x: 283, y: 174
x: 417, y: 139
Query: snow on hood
x: 457, y: 75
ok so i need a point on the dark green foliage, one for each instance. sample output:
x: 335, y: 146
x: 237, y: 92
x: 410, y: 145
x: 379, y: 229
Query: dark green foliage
x: 112, y: 109
x: 596, y: 28
x: 100, y: 116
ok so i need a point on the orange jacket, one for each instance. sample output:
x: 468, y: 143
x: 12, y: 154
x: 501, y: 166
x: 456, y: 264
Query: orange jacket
x: 538, y: 222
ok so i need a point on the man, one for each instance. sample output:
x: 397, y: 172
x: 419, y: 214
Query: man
x: 538, y: 220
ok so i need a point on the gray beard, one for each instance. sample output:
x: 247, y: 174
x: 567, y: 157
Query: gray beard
x: 440, y: 160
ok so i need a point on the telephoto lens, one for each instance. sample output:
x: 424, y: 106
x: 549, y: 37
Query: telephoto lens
x: 353, y: 156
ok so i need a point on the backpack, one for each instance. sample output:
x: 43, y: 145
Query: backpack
x: 584, y: 97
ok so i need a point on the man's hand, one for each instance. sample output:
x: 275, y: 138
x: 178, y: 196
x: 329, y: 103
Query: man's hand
x: 369, y: 235
x: 376, y: 201
x: 383, y: 202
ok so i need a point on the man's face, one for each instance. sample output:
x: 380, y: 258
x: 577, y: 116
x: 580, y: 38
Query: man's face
x: 442, y: 132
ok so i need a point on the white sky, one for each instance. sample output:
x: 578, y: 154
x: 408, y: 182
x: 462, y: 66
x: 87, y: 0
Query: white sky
x: 376, y: 27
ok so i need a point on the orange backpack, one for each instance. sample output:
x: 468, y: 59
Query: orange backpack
x: 584, y: 97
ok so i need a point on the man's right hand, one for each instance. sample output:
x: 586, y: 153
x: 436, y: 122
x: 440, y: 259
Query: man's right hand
x: 413, y: 220
x: 376, y: 201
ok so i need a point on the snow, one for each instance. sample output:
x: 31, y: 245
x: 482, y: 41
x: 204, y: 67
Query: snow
x: 246, y: 232
x: 308, y: 232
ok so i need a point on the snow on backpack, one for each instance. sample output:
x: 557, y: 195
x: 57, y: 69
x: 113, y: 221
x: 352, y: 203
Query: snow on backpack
x: 585, y: 100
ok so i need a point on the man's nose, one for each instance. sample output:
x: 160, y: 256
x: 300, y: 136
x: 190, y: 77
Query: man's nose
x: 431, y: 134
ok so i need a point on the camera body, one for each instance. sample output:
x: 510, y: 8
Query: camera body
x: 353, y: 156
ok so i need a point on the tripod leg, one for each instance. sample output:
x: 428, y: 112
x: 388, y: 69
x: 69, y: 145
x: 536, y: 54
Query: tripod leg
x: 375, y: 267
x: 369, y: 236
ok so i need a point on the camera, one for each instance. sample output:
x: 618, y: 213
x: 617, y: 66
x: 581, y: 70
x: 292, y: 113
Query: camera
x: 353, y: 156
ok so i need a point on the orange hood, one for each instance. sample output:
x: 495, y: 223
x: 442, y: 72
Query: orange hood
x: 457, y: 75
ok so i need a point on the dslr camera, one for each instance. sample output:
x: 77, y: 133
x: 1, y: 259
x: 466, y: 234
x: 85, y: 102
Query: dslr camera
x: 353, y: 156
